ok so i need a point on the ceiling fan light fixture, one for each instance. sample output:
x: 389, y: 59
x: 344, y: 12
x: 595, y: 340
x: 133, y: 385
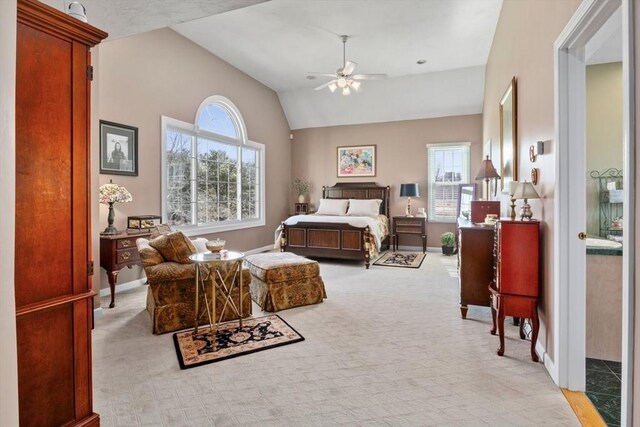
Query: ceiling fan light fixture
x: 333, y: 87
x: 346, y: 91
x: 342, y: 82
x: 354, y: 84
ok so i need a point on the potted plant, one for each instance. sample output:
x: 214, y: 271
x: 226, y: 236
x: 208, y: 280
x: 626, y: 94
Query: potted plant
x: 301, y: 188
x: 448, y: 241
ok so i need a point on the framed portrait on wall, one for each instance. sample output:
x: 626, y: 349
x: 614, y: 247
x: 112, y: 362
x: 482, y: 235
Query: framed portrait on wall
x: 356, y: 161
x: 118, y: 149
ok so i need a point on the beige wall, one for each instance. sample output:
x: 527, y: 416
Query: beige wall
x: 523, y: 47
x: 401, y: 157
x: 8, y: 349
x: 162, y: 73
x: 604, y: 130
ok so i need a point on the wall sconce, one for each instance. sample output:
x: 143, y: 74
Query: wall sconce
x: 536, y: 150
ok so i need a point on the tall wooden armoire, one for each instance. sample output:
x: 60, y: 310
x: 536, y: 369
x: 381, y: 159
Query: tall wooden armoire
x: 53, y: 262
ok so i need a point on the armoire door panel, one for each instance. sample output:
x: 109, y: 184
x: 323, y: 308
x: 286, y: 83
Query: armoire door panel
x: 45, y: 366
x: 43, y: 168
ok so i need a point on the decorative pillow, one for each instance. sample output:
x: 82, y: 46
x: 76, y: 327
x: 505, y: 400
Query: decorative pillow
x: 332, y: 207
x: 174, y: 247
x: 370, y: 207
x: 159, y: 230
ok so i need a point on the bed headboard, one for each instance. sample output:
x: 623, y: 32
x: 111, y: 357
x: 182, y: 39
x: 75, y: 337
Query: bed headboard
x: 359, y: 190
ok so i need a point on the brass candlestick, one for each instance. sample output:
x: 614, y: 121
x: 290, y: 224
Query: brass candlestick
x: 513, y: 209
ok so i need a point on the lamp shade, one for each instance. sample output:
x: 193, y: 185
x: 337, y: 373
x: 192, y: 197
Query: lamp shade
x: 525, y: 190
x: 510, y: 188
x: 409, y: 190
x: 487, y: 170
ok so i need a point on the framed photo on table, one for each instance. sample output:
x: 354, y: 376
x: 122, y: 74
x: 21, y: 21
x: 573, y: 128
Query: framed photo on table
x: 356, y: 161
x: 118, y: 149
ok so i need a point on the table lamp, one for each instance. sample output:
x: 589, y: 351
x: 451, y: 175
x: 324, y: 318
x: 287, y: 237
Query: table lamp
x: 409, y: 190
x: 525, y: 190
x: 488, y: 172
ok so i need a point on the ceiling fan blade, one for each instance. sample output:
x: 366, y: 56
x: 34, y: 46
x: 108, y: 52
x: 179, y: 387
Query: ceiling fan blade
x: 349, y: 67
x: 322, y: 75
x: 368, y: 76
x: 324, y: 85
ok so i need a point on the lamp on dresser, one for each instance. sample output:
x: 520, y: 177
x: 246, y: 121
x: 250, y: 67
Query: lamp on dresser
x: 488, y: 172
x: 109, y: 194
x: 525, y: 190
x: 409, y: 190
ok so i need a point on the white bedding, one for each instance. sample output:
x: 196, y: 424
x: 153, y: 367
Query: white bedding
x: 377, y: 225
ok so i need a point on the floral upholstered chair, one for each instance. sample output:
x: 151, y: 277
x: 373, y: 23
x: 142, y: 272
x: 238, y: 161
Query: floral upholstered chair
x: 171, y: 277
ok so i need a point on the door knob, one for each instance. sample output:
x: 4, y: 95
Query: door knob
x: 582, y: 235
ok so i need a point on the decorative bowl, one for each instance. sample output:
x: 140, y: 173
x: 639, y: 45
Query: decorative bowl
x: 215, y: 245
x: 465, y: 214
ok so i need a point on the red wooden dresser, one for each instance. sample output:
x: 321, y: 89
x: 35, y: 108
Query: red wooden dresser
x: 515, y: 289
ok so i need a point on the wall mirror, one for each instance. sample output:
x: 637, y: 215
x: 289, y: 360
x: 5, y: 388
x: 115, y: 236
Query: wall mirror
x: 509, y: 135
x: 466, y: 193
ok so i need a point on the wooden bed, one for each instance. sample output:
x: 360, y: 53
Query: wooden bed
x: 331, y: 240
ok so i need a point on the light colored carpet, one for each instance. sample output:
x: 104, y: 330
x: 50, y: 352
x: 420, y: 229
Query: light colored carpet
x: 387, y: 347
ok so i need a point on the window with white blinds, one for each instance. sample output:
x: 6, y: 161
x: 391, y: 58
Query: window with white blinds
x: 447, y: 167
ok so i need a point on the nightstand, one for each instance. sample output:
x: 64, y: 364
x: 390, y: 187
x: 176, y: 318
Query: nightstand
x: 415, y: 225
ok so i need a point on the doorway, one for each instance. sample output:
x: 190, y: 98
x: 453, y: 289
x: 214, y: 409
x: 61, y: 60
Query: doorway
x: 572, y: 49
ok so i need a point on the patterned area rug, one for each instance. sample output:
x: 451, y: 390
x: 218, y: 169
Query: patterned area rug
x: 401, y: 259
x: 257, y: 334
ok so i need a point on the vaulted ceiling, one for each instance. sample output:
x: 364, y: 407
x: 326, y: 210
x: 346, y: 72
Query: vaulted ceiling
x: 279, y: 42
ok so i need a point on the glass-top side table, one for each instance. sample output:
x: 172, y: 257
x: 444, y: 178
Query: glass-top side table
x: 232, y: 259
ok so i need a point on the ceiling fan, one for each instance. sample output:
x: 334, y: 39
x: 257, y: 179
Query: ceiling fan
x: 344, y: 77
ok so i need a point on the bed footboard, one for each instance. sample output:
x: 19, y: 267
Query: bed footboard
x: 322, y: 240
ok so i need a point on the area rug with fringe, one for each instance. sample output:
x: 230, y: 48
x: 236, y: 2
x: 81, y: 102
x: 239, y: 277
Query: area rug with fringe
x: 261, y: 333
x: 401, y: 259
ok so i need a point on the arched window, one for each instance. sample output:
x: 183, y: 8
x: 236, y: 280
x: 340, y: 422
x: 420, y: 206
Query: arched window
x: 213, y: 176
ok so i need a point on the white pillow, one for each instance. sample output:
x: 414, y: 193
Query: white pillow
x: 332, y: 207
x: 369, y: 207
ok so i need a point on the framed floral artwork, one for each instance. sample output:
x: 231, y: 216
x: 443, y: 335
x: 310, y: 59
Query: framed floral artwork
x: 356, y: 161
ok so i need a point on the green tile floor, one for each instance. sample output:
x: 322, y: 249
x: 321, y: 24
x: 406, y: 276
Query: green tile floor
x: 604, y: 387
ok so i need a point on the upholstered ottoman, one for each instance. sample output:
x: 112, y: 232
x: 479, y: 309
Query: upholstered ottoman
x: 282, y: 280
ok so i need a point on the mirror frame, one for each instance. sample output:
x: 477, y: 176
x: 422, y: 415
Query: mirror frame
x: 461, y: 188
x: 510, y: 95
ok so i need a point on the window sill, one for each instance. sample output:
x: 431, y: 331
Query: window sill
x: 199, y: 230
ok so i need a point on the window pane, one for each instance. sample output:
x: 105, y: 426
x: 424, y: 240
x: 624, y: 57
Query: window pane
x: 448, y: 166
x: 250, y: 184
x: 178, y: 168
x: 216, y: 119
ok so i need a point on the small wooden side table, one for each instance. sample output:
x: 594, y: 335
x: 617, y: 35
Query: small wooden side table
x: 117, y: 252
x: 219, y: 283
x: 416, y: 225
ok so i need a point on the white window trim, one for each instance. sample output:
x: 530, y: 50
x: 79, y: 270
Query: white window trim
x: 168, y: 122
x: 441, y: 145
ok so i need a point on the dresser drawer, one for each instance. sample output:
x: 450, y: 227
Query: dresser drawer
x: 124, y: 256
x: 126, y: 243
x: 417, y: 222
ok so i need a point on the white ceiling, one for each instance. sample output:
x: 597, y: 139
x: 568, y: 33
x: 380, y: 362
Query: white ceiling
x: 278, y: 42
x: 122, y: 18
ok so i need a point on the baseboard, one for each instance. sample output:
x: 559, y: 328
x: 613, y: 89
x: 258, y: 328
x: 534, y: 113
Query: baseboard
x: 97, y: 313
x: 121, y: 287
x: 549, y: 364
